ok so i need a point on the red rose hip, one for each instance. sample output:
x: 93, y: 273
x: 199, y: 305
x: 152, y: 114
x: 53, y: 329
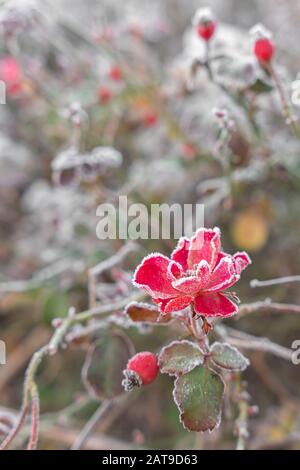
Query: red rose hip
x: 263, y: 46
x: 115, y: 73
x: 142, y: 369
x: 264, y: 50
x: 206, y: 31
x: 205, y: 23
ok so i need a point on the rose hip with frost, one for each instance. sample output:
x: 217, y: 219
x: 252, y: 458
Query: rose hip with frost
x: 11, y: 74
x: 104, y: 94
x: 263, y: 46
x: 142, y: 369
x: 115, y: 73
x: 205, y: 23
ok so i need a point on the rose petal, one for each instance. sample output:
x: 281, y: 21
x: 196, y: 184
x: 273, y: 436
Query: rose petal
x: 223, y: 276
x: 152, y: 275
x: 188, y: 285
x: 214, y: 305
x: 241, y: 261
x: 203, y: 272
x: 205, y: 245
x: 174, y: 271
x: 173, y: 305
x: 180, y: 254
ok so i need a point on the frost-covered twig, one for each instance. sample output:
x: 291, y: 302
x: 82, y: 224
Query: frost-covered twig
x: 90, y: 425
x: 268, y: 306
x: 44, y: 275
x: 245, y: 341
x: 274, y: 282
x: 105, y: 265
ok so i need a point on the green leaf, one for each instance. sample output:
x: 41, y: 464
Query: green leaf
x: 146, y: 313
x: 179, y: 357
x: 55, y: 305
x: 228, y: 357
x: 261, y: 86
x: 198, y: 396
x: 102, y: 372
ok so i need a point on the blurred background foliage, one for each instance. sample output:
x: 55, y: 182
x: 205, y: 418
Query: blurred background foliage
x: 121, y: 75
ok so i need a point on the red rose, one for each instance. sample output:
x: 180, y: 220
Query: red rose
x: 197, y: 274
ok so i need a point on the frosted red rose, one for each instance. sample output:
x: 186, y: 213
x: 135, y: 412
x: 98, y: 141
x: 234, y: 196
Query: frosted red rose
x: 196, y: 275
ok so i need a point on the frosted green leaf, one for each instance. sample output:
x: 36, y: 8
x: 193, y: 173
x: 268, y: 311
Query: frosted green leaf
x: 198, y: 396
x: 179, y: 357
x: 228, y: 357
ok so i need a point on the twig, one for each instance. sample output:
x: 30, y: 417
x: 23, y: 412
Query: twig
x: 274, y: 282
x: 35, y: 414
x: 22, y: 354
x: 246, y: 341
x: 91, y: 424
x: 10, y: 437
x: 42, y: 276
x: 98, y: 442
x: 242, y: 420
x: 286, y: 110
x: 267, y: 305
x: 105, y: 265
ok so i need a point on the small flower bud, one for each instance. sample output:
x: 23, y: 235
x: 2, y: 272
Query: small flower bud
x: 142, y: 369
x: 205, y: 23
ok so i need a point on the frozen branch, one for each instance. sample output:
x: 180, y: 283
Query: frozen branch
x: 274, y: 282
